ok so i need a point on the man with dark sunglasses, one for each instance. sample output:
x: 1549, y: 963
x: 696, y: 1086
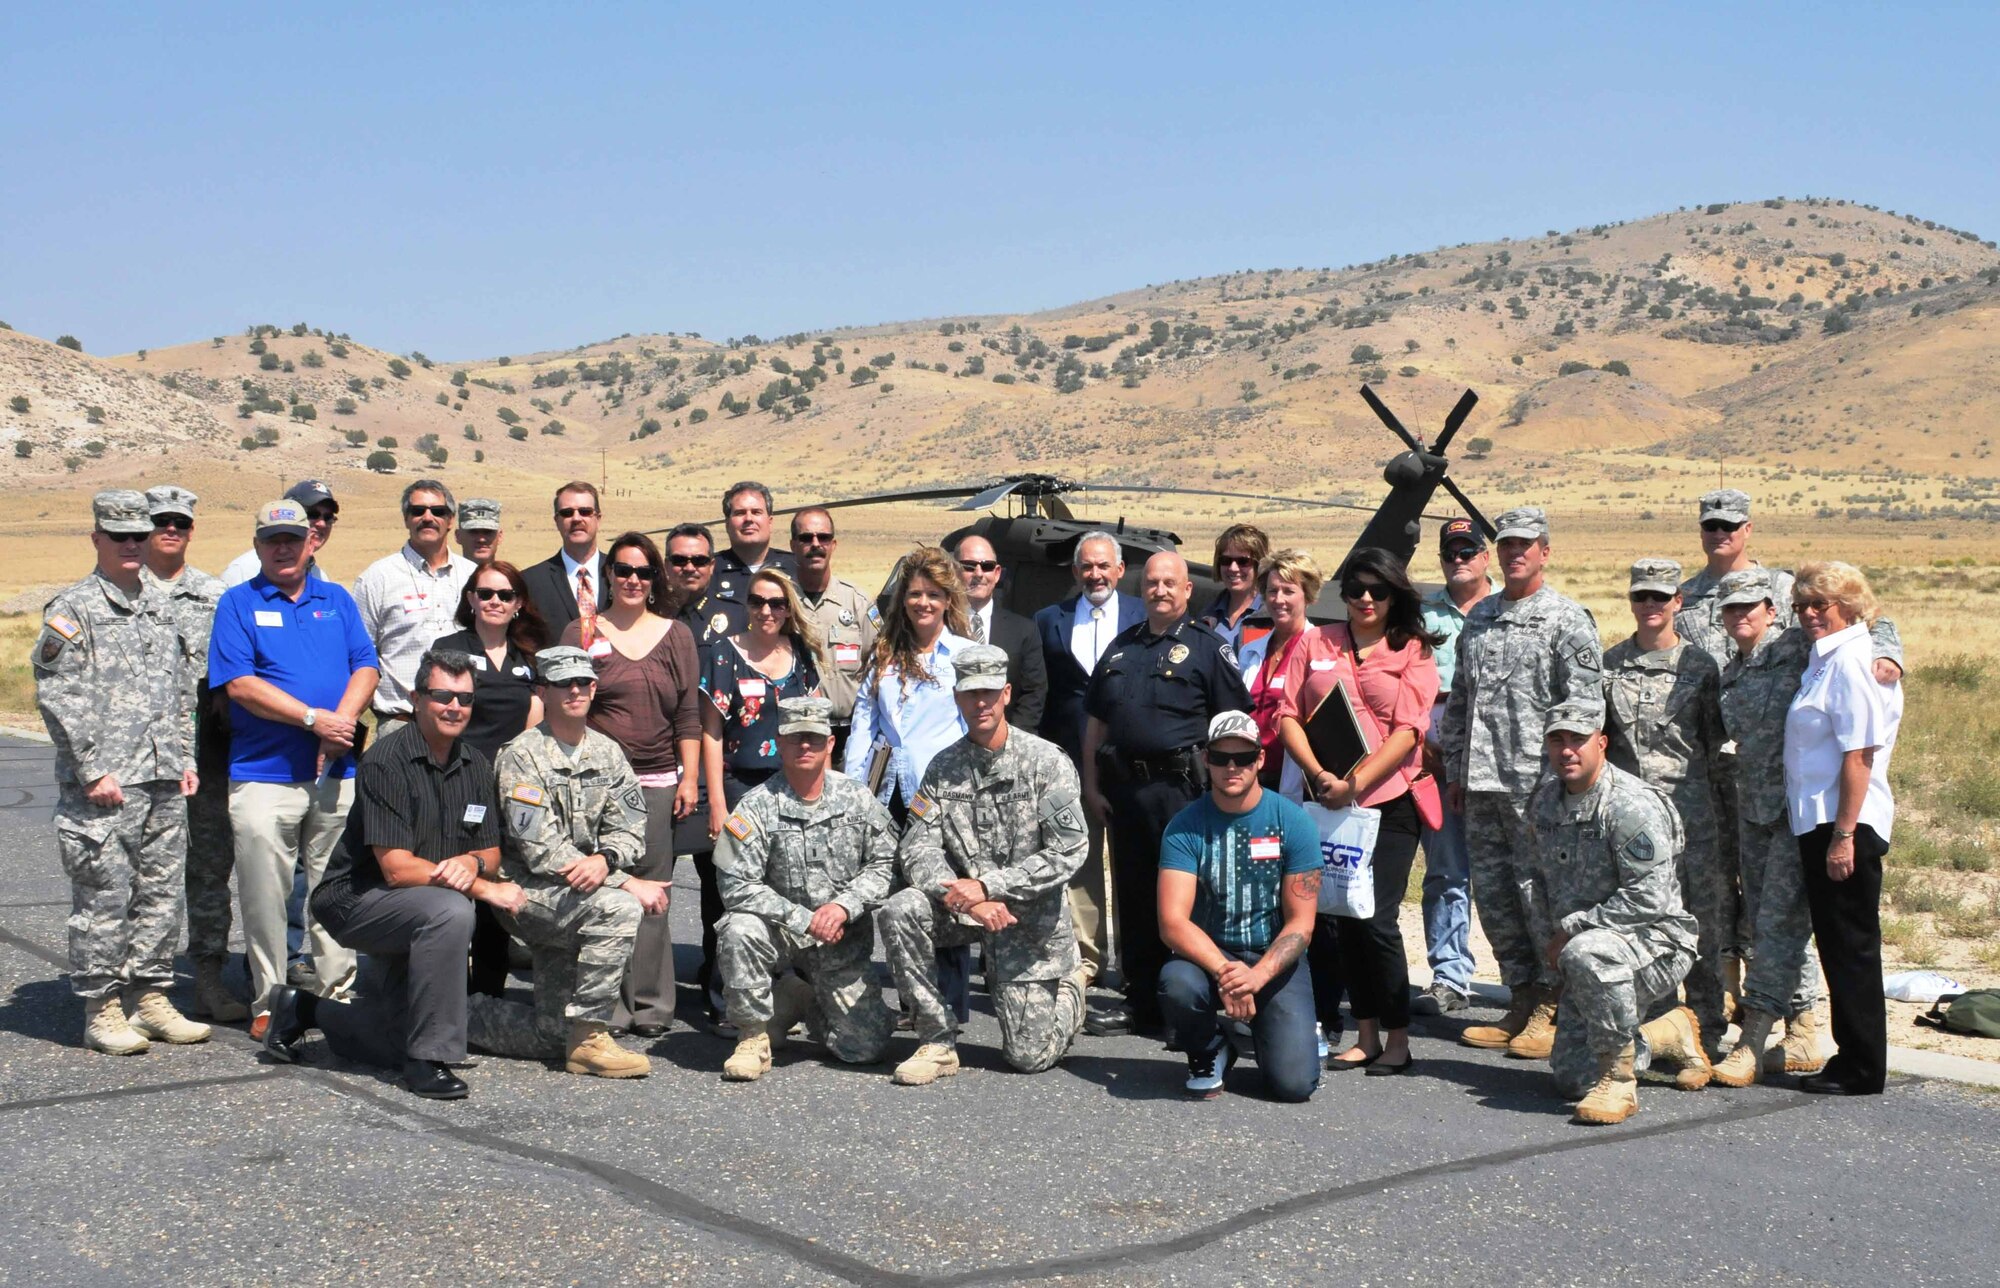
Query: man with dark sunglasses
x: 1027, y: 670
x: 844, y: 615
x: 574, y: 578
x: 322, y: 512
x: 409, y: 600
x: 190, y: 596
x: 110, y: 681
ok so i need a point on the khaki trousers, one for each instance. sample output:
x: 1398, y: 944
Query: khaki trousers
x: 277, y: 824
x: 1090, y: 907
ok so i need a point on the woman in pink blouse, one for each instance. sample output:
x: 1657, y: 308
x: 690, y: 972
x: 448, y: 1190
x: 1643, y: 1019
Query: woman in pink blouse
x: 1289, y: 581
x: 1382, y: 655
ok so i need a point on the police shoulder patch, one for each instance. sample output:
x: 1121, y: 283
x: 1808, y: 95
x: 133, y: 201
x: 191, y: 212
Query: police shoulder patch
x: 527, y: 794
x: 874, y: 615
x: 1229, y: 656
x: 739, y: 827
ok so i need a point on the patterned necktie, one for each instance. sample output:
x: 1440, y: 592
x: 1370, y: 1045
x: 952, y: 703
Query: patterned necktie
x: 586, y: 607
x: 978, y: 628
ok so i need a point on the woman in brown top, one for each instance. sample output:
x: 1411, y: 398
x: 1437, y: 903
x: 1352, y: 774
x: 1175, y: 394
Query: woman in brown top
x: 648, y: 702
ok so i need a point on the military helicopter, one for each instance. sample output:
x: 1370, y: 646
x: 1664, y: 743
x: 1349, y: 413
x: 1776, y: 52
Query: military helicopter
x: 1037, y: 537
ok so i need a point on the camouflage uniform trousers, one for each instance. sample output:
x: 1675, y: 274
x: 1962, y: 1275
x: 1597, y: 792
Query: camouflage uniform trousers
x: 1780, y: 976
x: 1500, y: 848
x: 579, y: 944
x: 1039, y: 1018
x: 1609, y: 980
x: 849, y: 1015
x: 124, y: 869
x: 1710, y: 894
x: 1728, y: 852
x: 211, y: 849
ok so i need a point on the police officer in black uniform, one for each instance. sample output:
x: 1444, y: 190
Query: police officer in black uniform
x: 746, y: 509
x: 1148, y: 706
x: 708, y: 617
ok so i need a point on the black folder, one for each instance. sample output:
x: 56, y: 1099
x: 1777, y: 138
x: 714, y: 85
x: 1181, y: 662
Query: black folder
x: 1335, y: 734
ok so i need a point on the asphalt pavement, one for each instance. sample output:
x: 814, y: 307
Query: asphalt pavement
x: 203, y: 1165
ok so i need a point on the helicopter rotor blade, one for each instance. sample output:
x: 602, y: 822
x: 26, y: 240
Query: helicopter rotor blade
x: 991, y: 496
x: 1471, y: 510
x: 883, y: 498
x: 1241, y: 496
x: 1464, y: 408
x: 1388, y: 417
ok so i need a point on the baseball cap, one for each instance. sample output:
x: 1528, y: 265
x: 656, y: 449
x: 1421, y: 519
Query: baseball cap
x: 277, y: 517
x: 312, y: 492
x: 1232, y: 724
x: 1460, y: 532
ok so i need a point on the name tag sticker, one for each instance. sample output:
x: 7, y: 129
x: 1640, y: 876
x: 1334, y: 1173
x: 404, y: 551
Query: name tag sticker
x: 845, y: 654
x: 751, y: 686
x: 269, y: 617
x: 413, y: 603
x: 1266, y: 847
x: 475, y: 815
x: 479, y: 661
x: 1324, y: 663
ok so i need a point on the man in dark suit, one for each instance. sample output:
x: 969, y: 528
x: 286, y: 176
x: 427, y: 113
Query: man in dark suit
x: 559, y: 584
x: 1073, y: 636
x: 991, y: 624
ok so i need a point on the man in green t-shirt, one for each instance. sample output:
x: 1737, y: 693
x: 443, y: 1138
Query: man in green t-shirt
x: 1239, y: 886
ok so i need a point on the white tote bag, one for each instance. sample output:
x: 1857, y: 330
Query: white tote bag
x: 1347, y: 855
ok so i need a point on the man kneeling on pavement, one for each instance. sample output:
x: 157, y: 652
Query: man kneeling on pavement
x: 995, y: 835
x: 802, y: 861
x: 1622, y: 941
x: 573, y: 827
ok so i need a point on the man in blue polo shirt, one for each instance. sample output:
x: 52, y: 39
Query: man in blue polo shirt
x: 291, y: 652
x: 1239, y: 887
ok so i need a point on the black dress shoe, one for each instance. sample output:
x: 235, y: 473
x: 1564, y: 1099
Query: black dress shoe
x: 1334, y: 1064
x: 433, y: 1081
x: 290, y: 1018
x: 1822, y: 1084
x: 649, y: 1030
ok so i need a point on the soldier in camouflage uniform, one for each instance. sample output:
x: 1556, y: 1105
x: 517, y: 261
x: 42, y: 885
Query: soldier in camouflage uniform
x: 802, y: 861
x: 1521, y: 653
x: 1663, y: 715
x: 995, y: 835
x: 189, y: 596
x: 1621, y: 940
x: 109, y: 679
x: 1781, y: 980
x: 574, y: 827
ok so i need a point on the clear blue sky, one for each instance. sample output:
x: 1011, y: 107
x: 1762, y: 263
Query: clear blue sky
x: 502, y: 178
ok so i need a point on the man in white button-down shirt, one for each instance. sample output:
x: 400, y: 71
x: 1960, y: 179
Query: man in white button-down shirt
x: 409, y: 600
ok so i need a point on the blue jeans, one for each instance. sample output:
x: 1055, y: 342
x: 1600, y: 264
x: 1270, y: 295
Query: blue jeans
x: 1448, y: 903
x: 1282, y: 1030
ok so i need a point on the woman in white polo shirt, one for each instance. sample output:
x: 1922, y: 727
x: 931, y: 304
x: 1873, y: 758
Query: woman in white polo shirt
x: 1838, y: 736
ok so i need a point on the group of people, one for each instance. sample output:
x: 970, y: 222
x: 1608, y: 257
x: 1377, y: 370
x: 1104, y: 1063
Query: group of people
x: 463, y: 759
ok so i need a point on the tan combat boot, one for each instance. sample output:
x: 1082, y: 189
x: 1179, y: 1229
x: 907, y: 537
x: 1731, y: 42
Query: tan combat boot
x: 1538, y: 1036
x: 105, y: 1029
x: 751, y: 1059
x: 1495, y: 1037
x: 212, y: 998
x: 792, y: 1000
x: 933, y: 1060
x: 1740, y: 1067
x: 1616, y: 1095
x: 592, y: 1051
x: 1800, y: 1052
x: 1676, y: 1036
x: 154, y: 1016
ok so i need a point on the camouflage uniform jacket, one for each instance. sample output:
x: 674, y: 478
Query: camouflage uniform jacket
x: 110, y: 682
x: 1757, y: 691
x: 1012, y: 820
x: 1700, y: 618
x: 1664, y: 716
x: 1607, y: 859
x: 781, y: 858
x: 189, y: 600
x: 562, y: 806
x: 1517, y: 658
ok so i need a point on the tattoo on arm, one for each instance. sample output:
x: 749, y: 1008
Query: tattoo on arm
x: 1284, y: 952
x: 1305, y: 885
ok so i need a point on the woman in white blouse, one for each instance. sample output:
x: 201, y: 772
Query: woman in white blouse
x: 1838, y: 736
x: 905, y: 711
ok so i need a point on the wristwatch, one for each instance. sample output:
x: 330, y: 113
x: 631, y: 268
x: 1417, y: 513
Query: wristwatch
x: 311, y: 718
x: 1839, y: 835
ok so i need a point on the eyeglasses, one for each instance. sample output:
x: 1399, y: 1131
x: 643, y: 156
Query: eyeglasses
x: 1719, y: 525
x: 1373, y: 590
x: 575, y: 684
x: 979, y: 565
x: 1650, y: 597
x: 1236, y: 561
x: 576, y: 512
x: 1811, y: 605
x: 1232, y: 759
x: 1463, y: 554
x: 448, y: 697
x: 487, y: 594
x: 122, y: 538
x: 769, y: 603
x: 435, y: 511
x: 644, y: 572
x: 813, y: 538
x: 690, y: 561
x: 178, y: 523
x: 328, y: 517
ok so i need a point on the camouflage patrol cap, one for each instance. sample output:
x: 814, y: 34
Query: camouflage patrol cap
x: 122, y: 512
x: 983, y: 666
x: 1527, y: 521
x: 563, y: 663
x: 1232, y: 724
x: 1662, y: 575
x: 168, y: 499
x: 1727, y: 504
x: 1574, y: 717
x: 805, y: 715
x: 478, y: 514
x: 1745, y: 586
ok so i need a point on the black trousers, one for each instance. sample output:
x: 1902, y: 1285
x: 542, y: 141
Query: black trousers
x: 1140, y: 813
x: 489, y: 953
x: 1372, y: 964
x: 412, y: 978
x: 1847, y: 924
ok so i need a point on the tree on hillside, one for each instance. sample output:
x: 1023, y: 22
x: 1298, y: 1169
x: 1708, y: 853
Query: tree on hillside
x: 70, y: 342
x: 19, y: 403
x: 23, y: 448
x: 381, y: 462
x: 1363, y: 353
x: 1479, y: 448
x: 305, y: 411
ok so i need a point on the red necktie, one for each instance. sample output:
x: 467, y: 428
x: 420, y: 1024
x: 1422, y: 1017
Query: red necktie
x: 586, y: 607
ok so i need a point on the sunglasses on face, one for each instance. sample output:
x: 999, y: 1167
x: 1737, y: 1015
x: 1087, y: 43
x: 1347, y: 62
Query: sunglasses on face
x: 1373, y: 590
x: 1231, y: 759
x: 448, y: 697
x: 979, y: 565
x: 1719, y: 525
x: 644, y: 572
x: 813, y: 538
x: 1236, y: 561
x: 174, y: 521
x: 1650, y: 597
x: 121, y: 538
x: 1463, y: 554
x: 576, y: 512
x: 487, y: 594
x: 690, y: 561
x: 769, y: 603
x: 435, y: 511
x: 1811, y: 605
x: 575, y: 685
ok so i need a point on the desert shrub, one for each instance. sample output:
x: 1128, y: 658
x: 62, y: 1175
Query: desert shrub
x: 554, y: 427
x: 94, y: 448
x: 344, y: 406
x: 443, y: 399
x: 698, y: 415
x: 1571, y: 367
x: 1617, y: 368
x: 305, y: 411
x: 861, y: 375
x: 508, y: 416
x: 356, y: 437
x: 23, y: 449
x: 381, y: 462
x: 387, y: 440
x: 269, y: 362
x: 439, y: 455
x: 19, y: 403
x: 337, y: 350
x: 267, y: 435
x: 399, y: 369
x: 471, y: 434
x: 245, y: 443
x: 311, y: 358
x: 258, y: 346
x: 1363, y: 353
x: 519, y: 433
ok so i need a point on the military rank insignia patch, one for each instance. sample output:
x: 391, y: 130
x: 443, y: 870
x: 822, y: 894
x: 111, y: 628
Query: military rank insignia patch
x: 738, y: 827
